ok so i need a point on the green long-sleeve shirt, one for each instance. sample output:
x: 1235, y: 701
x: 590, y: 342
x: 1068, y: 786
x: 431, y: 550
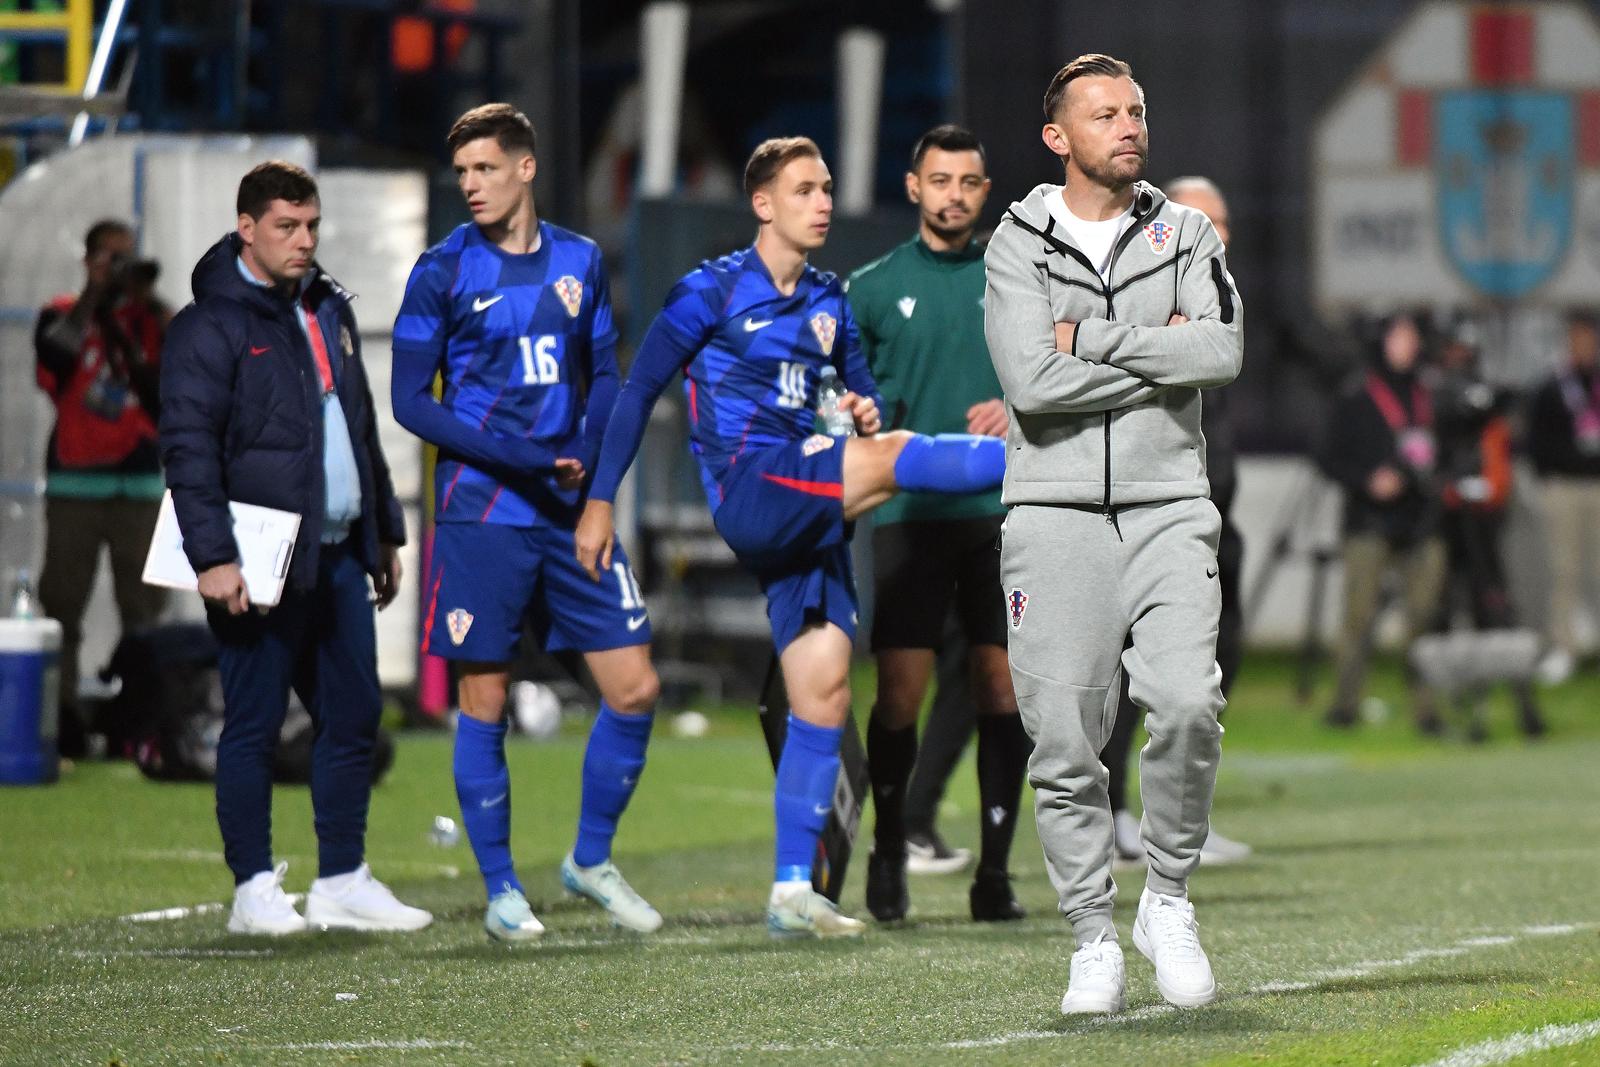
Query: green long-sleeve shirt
x: 920, y: 314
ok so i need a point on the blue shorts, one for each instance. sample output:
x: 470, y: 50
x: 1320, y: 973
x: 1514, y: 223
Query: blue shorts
x: 782, y: 513
x: 488, y: 579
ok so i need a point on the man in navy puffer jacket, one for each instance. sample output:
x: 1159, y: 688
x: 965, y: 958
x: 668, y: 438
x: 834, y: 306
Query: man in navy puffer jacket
x: 264, y: 401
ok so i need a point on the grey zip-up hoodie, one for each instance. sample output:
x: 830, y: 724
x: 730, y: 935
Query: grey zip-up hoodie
x: 1116, y: 420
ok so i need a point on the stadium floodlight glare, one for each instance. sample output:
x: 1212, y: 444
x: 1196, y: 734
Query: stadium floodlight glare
x: 97, y: 67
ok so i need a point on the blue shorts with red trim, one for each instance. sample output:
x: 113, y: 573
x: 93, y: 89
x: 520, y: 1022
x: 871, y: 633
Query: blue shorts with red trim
x: 782, y: 513
x: 487, y: 580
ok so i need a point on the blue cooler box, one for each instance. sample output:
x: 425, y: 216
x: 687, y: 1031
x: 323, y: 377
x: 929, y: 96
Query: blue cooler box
x: 30, y: 683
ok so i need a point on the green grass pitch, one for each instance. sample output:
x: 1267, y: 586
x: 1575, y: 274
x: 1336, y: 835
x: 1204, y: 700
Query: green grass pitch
x: 1409, y: 902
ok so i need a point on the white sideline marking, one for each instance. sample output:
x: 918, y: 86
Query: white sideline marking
x: 170, y: 953
x: 362, y: 1046
x: 195, y: 855
x: 1318, y: 979
x: 1550, y: 931
x: 165, y: 914
x: 1003, y: 1039
x: 1526, y: 1043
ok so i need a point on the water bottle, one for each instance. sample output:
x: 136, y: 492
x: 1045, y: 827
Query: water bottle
x: 24, y: 598
x: 837, y: 421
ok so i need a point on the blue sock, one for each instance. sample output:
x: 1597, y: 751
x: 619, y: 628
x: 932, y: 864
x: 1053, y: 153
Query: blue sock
x: 483, y: 786
x: 803, y: 795
x: 611, y: 766
x: 950, y: 463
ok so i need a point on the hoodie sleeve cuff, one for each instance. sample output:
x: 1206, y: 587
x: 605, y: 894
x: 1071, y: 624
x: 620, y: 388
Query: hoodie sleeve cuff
x: 1088, y: 340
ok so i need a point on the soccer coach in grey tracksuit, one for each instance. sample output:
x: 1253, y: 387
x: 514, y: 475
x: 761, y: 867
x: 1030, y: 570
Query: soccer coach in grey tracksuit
x: 1108, y: 309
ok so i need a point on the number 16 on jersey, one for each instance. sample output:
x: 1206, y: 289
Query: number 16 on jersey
x: 540, y: 362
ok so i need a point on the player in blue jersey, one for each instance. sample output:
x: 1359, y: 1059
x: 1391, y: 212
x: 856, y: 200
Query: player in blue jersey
x: 515, y: 316
x: 751, y: 332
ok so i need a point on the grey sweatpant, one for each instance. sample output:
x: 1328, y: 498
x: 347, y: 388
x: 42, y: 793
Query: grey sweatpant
x: 1087, y: 600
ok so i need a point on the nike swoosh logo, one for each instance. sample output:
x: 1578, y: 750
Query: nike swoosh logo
x: 629, y: 781
x: 820, y: 809
x: 634, y: 622
x: 480, y: 303
x: 751, y: 325
x: 492, y: 801
x: 1210, y: 572
x: 254, y: 351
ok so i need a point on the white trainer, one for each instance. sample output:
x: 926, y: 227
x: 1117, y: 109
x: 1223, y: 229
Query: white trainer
x: 260, y: 906
x: 358, y: 901
x: 804, y: 912
x: 1168, y: 935
x: 1219, y: 851
x: 1094, y: 986
x: 604, y: 885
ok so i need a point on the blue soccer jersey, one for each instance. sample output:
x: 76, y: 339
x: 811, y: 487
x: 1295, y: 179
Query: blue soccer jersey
x: 527, y: 349
x: 750, y: 357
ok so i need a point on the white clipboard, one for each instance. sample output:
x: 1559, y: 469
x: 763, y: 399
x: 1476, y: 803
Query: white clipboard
x: 265, y: 537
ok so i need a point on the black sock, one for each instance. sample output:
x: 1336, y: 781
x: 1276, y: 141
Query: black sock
x: 890, y: 754
x: 1003, y: 751
x: 1118, y: 753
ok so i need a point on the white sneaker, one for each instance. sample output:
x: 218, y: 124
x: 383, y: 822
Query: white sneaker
x: 509, y: 918
x: 1095, y: 984
x: 1219, y: 851
x: 358, y: 901
x: 1125, y: 837
x: 803, y: 912
x: 260, y: 906
x: 604, y: 885
x: 1166, y: 932
x: 927, y: 853
x: 1556, y: 667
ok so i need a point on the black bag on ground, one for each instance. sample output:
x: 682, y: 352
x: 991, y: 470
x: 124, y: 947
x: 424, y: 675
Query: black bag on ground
x: 168, y: 714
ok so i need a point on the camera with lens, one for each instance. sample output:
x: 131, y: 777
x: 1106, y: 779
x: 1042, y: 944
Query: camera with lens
x: 133, y: 273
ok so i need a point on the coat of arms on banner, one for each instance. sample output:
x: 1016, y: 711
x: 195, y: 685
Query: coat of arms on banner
x: 824, y: 326
x: 1504, y: 166
x: 570, y: 290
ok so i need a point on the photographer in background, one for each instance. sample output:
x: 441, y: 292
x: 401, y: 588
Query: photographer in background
x: 97, y: 354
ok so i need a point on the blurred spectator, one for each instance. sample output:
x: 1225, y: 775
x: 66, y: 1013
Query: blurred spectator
x: 1381, y: 450
x: 1222, y: 471
x: 1564, y: 439
x: 1475, y: 475
x: 97, y: 353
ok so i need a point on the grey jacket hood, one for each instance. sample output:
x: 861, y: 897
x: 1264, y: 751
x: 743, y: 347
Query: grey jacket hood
x: 1116, y: 419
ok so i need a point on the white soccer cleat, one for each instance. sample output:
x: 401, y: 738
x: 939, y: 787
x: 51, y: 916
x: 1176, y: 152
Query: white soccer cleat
x: 358, y: 901
x: 260, y: 906
x: 604, y: 885
x: 1219, y: 851
x: 1168, y: 935
x: 509, y: 918
x: 1129, y: 846
x: 927, y: 853
x: 1094, y: 986
x: 806, y: 913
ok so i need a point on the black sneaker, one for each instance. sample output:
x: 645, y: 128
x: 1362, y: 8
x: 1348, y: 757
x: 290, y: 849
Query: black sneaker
x: 992, y: 900
x: 887, y: 898
x: 927, y: 853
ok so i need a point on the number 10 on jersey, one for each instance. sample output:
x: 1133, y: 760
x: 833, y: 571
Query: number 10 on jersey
x: 539, y: 363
